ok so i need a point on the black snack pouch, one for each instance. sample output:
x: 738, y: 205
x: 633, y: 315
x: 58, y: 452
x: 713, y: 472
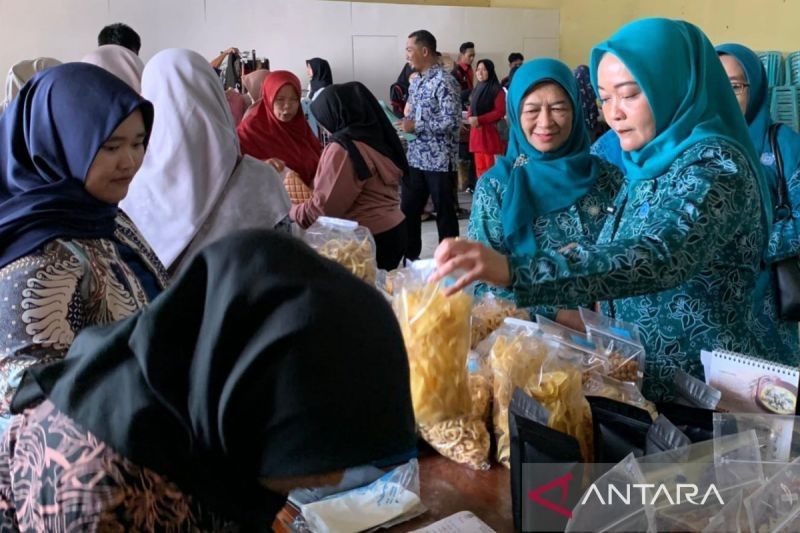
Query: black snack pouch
x: 663, y: 436
x: 619, y: 429
x: 696, y: 423
x: 693, y: 392
x: 533, y: 442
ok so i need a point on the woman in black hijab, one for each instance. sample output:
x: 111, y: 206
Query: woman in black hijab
x: 359, y: 172
x: 319, y: 72
x: 486, y: 111
x: 254, y: 368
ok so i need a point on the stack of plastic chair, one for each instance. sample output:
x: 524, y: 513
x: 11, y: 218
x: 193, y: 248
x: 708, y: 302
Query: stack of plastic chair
x: 792, y: 68
x: 773, y: 63
x: 785, y: 105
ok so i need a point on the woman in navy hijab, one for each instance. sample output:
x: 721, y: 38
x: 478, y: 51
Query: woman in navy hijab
x: 70, y: 144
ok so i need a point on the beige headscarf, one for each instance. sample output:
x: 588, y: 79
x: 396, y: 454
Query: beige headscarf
x: 120, y: 62
x: 252, y: 83
x: 21, y: 73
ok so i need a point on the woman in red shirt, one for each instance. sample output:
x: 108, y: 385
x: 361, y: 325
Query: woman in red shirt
x: 487, y: 108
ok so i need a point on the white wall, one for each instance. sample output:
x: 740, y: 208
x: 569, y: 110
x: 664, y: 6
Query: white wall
x: 364, y: 41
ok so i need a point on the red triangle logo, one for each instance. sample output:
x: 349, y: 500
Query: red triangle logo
x: 562, y: 482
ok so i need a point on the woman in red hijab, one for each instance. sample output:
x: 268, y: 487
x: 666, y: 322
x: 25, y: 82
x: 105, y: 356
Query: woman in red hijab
x: 276, y: 129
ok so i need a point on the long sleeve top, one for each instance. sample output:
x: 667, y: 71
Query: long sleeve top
x: 680, y: 259
x: 373, y: 202
x: 485, y: 138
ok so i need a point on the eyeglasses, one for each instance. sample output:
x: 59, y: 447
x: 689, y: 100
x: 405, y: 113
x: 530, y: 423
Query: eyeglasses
x: 738, y: 88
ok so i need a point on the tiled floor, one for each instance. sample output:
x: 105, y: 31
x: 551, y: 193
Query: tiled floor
x: 430, y: 237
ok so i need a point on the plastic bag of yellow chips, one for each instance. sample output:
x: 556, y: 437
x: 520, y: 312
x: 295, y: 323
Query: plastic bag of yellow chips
x: 347, y: 243
x: 488, y: 314
x: 436, y: 330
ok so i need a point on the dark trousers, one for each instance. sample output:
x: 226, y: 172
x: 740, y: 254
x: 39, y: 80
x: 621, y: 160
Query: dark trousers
x: 391, y: 246
x: 414, y: 194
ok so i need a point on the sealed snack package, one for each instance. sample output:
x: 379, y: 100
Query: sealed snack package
x: 664, y: 436
x: 620, y: 342
x: 466, y: 439
x: 778, y: 435
x: 436, y: 331
x: 694, y: 392
x: 347, y: 243
x: 774, y: 506
x: 619, y: 429
x: 391, y: 499
x: 488, y: 314
x: 533, y: 442
x: 622, y: 391
x: 575, y: 347
x: 516, y: 355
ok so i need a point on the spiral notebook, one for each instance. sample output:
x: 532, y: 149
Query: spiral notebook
x: 751, y: 385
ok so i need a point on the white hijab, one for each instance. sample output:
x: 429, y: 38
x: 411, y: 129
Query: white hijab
x: 191, y: 156
x: 120, y: 62
x: 21, y: 73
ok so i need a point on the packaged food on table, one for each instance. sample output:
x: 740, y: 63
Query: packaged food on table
x: 695, y: 393
x: 620, y: 429
x: 778, y: 435
x: 488, y: 314
x: 347, y: 243
x: 575, y: 347
x: 522, y: 357
x: 596, y: 384
x: 774, y: 506
x: 620, y: 342
x: 664, y: 436
x: 436, y: 330
x: 466, y: 439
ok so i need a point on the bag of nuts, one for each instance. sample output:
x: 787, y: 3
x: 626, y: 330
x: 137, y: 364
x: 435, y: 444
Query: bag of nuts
x: 620, y: 342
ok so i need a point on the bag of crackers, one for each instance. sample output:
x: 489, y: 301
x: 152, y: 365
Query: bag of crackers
x: 488, y: 314
x: 521, y: 357
x: 347, y: 243
x: 449, y: 403
x: 620, y: 342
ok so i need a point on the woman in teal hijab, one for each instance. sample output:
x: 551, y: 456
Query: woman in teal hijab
x: 682, y: 252
x: 749, y: 82
x: 548, y: 191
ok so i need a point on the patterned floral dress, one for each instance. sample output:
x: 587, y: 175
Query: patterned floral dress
x: 580, y: 223
x: 47, y: 297
x: 685, y: 251
x: 57, y: 477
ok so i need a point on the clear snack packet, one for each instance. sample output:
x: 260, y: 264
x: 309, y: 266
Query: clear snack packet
x: 391, y: 499
x: 488, y: 314
x: 778, y: 436
x: 517, y: 351
x: 775, y: 506
x: 620, y: 342
x: 466, y: 439
x: 576, y: 347
x: 346, y: 243
x: 622, y: 391
x: 436, y: 330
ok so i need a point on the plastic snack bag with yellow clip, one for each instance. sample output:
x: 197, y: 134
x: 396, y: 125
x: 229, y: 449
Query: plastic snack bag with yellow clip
x: 347, y: 243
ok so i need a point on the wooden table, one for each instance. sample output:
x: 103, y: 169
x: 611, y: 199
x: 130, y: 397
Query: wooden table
x: 448, y: 488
